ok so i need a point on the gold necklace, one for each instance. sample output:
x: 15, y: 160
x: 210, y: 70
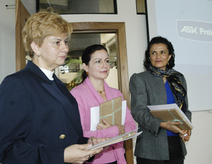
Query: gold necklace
x: 101, y: 91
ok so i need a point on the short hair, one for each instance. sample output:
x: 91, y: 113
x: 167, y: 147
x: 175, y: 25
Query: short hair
x: 86, y: 55
x: 157, y: 40
x: 41, y: 25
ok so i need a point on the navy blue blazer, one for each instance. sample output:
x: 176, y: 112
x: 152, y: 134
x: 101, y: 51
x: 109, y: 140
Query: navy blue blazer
x: 36, y: 123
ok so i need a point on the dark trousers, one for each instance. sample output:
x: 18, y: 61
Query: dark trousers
x: 175, y: 153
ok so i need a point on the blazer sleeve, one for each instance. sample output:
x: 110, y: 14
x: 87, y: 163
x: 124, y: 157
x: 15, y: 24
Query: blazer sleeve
x: 139, y: 100
x: 16, y: 114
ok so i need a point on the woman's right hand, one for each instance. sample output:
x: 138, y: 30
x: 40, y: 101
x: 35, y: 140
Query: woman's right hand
x: 103, y: 125
x: 172, y: 126
x: 78, y: 153
x: 186, y: 136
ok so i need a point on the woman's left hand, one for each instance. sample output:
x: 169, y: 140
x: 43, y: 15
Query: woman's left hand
x: 103, y: 125
x: 121, y: 129
x: 186, y: 136
x: 93, y: 141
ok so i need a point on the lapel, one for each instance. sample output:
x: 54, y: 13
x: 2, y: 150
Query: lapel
x: 89, y: 86
x: 158, y: 89
x: 72, y: 110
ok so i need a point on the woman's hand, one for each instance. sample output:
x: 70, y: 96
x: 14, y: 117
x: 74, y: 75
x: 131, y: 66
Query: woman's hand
x: 103, y: 125
x: 78, y: 153
x: 93, y: 141
x: 172, y: 126
x: 186, y: 136
x: 121, y: 129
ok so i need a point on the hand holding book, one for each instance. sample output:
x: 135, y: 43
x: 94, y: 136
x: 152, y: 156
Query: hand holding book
x: 172, y: 113
x: 112, y: 111
x: 172, y: 126
x: 113, y: 140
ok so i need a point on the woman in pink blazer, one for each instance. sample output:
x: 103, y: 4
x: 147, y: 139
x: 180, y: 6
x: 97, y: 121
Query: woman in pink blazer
x: 92, y: 92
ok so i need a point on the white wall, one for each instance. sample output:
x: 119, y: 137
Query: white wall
x: 199, y: 147
x: 7, y: 35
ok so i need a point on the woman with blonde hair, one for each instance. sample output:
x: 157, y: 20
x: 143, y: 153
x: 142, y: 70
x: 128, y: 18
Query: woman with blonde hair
x: 39, y: 118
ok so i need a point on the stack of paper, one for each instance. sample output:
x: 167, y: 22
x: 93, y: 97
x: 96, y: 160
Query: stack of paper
x: 171, y: 112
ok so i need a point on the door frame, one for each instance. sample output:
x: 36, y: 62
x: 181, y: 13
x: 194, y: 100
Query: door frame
x: 21, y: 15
x: 122, y: 62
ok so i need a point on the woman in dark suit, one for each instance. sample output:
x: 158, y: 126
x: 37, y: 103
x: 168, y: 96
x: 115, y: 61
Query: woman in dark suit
x: 161, y: 142
x: 39, y: 118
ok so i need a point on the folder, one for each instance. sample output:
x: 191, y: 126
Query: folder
x: 171, y: 112
x: 111, y: 111
x: 117, y: 139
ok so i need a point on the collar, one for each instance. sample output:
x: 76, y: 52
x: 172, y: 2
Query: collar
x: 48, y: 73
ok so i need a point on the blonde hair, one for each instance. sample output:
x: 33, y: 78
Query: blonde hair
x: 43, y: 24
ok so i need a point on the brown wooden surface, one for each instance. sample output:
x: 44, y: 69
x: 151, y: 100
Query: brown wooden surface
x: 123, y: 76
x: 21, y: 15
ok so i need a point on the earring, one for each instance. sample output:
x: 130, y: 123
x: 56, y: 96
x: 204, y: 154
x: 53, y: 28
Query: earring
x: 87, y: 73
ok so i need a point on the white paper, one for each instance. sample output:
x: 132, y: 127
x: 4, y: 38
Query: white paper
x: 94, y: 118
x: 124, y: 108
x: 94, y: 115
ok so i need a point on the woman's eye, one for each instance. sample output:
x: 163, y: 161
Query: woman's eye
x: 107, y: 61
x: 98, y: 61
x: 66, y: 41
x: 163, y: 52
x: 57, y: 42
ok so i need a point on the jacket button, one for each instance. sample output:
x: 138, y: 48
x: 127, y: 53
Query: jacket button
x: 62, y: 136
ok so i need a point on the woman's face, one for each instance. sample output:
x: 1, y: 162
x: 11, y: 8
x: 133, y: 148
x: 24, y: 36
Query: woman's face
x: 99, y: 66
x: 53, y: 52
x: 159, y: 55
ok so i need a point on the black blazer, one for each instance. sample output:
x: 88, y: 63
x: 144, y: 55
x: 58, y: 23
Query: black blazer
x: 36, y: 123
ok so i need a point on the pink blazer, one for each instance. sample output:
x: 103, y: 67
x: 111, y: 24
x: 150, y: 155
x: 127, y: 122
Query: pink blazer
x: 88, y: 97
